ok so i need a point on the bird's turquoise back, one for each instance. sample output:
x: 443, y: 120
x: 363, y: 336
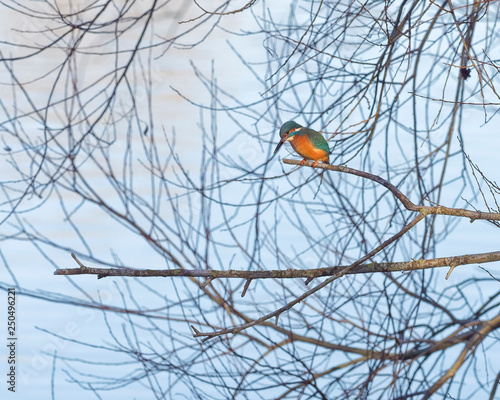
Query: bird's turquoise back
x: 316, y: 138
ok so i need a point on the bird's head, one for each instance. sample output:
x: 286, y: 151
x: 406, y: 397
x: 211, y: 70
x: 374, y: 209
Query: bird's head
x: 287, y: 131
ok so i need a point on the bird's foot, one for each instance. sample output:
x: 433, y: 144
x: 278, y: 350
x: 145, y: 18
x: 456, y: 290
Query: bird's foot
x: 314, y: 164
x: 303, y: 161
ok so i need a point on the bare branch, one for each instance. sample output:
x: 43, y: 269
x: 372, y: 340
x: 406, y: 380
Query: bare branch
x: 368, y: 268
x: 437, y: 210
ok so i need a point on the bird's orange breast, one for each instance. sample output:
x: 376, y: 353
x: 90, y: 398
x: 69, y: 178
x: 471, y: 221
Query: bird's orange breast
x: 303, y: 146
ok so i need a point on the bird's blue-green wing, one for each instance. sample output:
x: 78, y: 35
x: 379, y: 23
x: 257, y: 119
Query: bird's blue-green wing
x: 317, y: 139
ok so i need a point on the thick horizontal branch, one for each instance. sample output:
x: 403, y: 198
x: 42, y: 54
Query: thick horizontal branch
x: 407, y: 203
x: 288, y: 273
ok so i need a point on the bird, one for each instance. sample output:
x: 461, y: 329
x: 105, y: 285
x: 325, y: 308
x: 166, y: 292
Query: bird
x: 308, y: 143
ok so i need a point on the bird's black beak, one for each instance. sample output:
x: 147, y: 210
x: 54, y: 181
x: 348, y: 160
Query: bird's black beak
x: 283, y: 140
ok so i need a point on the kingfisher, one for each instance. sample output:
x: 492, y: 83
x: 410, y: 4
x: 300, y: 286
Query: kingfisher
x: 308, y: 143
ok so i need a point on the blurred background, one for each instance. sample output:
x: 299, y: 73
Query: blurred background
x: 140, y: 134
